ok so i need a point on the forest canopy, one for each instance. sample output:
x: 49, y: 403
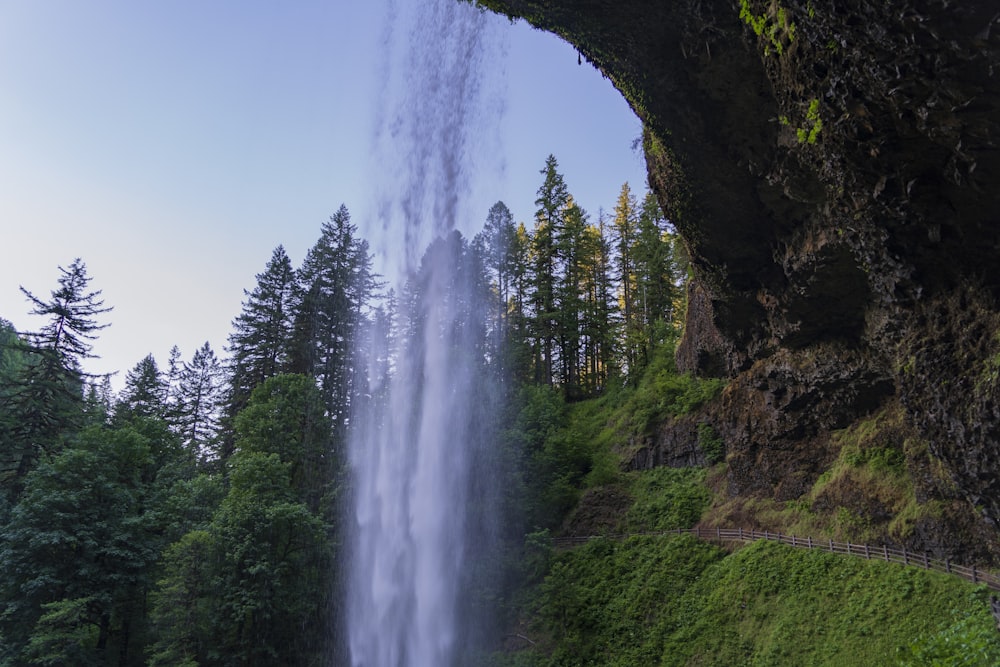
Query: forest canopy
x: 195, y: 517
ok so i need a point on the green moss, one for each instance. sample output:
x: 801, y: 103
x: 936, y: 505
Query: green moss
x: 773, y: 26
x: 814, y: 124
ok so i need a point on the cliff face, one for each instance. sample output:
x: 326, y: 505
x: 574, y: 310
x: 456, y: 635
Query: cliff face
x: 833, y: 169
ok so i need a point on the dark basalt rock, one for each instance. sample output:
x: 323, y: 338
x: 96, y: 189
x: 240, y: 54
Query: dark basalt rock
x: 833, y: 170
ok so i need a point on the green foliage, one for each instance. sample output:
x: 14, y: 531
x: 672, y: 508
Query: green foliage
x: 666, y: 498
x: 970, y: 641
x: 78, y: 550
x: 183, y: 606
x: 678, y: 601
x: 814, y: 124
x: 286, y: 416
x: 274, y: 560
x: 64, y: 635
x: 611, y: 603
x: 662, y: 392
x: 774, y: 27
x: 710, y: 444
x: 770, y: 604
x: 240, y: 590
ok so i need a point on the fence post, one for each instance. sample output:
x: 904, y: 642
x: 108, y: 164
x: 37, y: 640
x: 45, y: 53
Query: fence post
x: 765, y: 535
x: 947, y: 565
x: 848, y: 547
x: 793, y: 541
x: 906, y: 560
x: 718, y: 533
x: 741, y: 534
x: 831, y: 546
x: 867, y: 554
x: 975, y: 575
x: 926, y: 563
x: 809, y: 539
x: 885, y: 553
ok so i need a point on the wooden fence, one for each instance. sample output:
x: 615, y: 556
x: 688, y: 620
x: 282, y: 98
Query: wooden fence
x: 740, y: 535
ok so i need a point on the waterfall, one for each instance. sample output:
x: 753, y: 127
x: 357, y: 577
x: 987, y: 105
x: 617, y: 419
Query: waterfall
x: 416, y: 444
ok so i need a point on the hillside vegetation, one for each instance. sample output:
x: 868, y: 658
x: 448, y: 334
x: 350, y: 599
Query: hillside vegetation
x: 653, y: 599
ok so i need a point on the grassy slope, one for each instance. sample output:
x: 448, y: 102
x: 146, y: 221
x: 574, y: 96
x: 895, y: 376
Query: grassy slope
x: 677, y: 601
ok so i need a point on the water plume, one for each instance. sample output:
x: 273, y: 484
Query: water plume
x: 416, y: 443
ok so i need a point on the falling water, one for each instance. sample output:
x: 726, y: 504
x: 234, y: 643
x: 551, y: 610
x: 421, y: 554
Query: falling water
x: 414, y: 449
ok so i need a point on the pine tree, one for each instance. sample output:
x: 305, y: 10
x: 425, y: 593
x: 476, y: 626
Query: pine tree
x: 258, y: 343
x: 626, y: 222
x: 71, y: 311
x: 518, y: 343
x: 570, y: 246
x: 46, y: 401
x: 656, y: 275
x: 144, y: 394
x: 552, y: 199
x: 13, y: 360
x: 333, y: 291
x: 598, y: 327
x: 199, y: 399
x: 497, y: 241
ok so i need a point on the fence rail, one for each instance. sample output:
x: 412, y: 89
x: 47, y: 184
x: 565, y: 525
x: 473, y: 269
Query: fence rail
x: 883, y: 553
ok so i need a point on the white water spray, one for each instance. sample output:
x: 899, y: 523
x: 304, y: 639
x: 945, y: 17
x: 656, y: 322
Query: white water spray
x: 413, y: 447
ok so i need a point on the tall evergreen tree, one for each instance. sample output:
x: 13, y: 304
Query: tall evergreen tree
x: 46, y: 401
x: 13, y: 359
x: 71, y: 312
x: 601, y: 307
x: 199, y: 395
x: 552, y: 199
x: 626, y: 223
x: 656, y: 275
x: 258, y: 343
x: 333, y: 292
x: 571, y: 249
x: 498, y: 242
x: 172, y: 378
x: 519, y: 353
x: 144, y: 394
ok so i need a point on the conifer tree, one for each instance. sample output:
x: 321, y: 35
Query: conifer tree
x: 518, y: 342
x: 47, y: 399
x: 333, y: 290
x: 71, y: 311
x: 626, y: 222
x: 498, y: 240
x: 258, y: 343
x: 13, y: 359
x: 570, y: 247
x: 552, y: 199
x: 655, y: 275
x: 144, y: 394
x: 600, y: 327
x: 199, y: 395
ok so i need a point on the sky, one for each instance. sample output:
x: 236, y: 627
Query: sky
x: 173, y: 145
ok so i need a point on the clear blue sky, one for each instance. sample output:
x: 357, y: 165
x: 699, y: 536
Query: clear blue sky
x: 173, y: 145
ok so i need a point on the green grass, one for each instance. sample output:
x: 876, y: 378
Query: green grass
x: 770, y: 604
x: 677, y: 601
